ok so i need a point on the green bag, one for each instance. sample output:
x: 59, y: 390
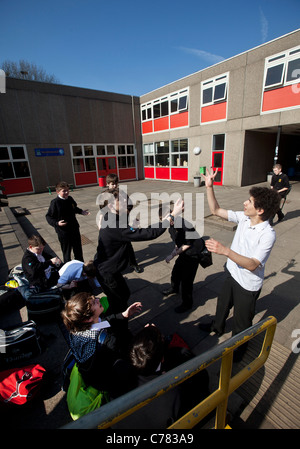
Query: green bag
x: 82, y: 399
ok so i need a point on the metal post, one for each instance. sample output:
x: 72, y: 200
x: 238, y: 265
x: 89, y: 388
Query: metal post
x: 277, y: 144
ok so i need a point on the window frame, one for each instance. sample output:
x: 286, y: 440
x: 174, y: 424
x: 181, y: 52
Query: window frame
x: 148, y: 108
x: 284, y: 58
x: 213, y: 83
x: 150, y: 150
x: 180, y: 153
x: 83, y: 156
x: 13, y: 160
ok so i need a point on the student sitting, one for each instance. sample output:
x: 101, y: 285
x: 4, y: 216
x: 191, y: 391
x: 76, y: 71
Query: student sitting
x: 99, y: 345
x: 75, y: 275
x: 40, y: 268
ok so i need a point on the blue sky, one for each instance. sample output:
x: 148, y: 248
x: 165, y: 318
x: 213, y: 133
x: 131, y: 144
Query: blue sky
x: 133, y: 47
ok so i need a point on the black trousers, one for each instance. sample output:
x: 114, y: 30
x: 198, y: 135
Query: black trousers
x: 71, y: 241
x: 183, y: 273
x: 116, y: 289
x: 243, y: 301
x: 132, y: 259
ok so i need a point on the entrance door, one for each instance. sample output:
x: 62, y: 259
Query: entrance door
x: 217, y: 162
x: 106, y: 165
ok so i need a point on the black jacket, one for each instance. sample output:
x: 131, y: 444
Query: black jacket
x: 112, y: 252
x: 179, y: 234
x: 61, y: 209
x: 280, y: 181
x: 34, y: 270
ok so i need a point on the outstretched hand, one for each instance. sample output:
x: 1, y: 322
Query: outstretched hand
x: 178, y: 207
x: 209, y: 177
x: 134, y: 308
x: 215, y: 247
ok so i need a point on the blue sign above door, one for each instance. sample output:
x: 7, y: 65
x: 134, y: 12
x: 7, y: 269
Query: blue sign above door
x: 42, y: 152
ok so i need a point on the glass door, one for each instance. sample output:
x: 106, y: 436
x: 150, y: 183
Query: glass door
x: 106, y: 165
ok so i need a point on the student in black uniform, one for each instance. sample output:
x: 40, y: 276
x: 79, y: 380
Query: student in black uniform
x: 281, y: 183
x: 40, y: 268
x: 112, y: 252
x: 62, y: 216
x: 186, y: 265
x: 112, y: 181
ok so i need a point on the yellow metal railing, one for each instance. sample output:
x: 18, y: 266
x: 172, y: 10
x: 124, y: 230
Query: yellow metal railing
x: 119, y: 408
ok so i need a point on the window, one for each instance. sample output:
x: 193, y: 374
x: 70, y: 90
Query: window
x: 179, y: 101
x: 162, y: 155
x: 83, y: 158
x: 103, y: 150
x: 282, y: 69
x: 126, y: 157
x: 218, y: 142
x: 179, y: 153
x: 148, y: 154
x: 13, y: 162
x: 166, y: 153
x: 214, y: 90
x: 173, y: 103
x: 160, y: 108
x: 146, y: 111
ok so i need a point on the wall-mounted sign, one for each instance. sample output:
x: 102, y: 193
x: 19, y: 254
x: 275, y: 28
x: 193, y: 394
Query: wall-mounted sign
x: 42, y: 152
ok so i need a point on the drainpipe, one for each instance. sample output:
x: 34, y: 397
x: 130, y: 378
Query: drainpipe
x: 277, y: 144
x: 134, y: 130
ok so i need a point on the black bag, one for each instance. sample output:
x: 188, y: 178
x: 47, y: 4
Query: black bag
x: 10, y: 299
x: 205, y: 258
x: 19, y: 343
x: 69, y: 362
x: 43, y: 304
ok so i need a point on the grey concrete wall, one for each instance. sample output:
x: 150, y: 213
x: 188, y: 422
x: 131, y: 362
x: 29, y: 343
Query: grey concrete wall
x: 41, y: 115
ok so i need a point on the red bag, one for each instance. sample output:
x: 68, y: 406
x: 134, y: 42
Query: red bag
x: 20, y: 385
x: 178, y: 342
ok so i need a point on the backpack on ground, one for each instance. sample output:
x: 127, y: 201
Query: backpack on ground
x: 44, y: 303
x: 20, y: 385
x: 10, y: 299
x: 20, y: 342
x: 38, y: 303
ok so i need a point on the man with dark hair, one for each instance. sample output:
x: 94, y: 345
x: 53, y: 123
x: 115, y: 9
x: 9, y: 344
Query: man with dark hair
x: 246, y: 258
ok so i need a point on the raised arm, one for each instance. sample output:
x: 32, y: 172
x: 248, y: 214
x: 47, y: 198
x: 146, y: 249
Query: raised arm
x: 212, y: 201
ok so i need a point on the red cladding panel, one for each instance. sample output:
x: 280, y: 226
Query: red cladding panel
x: 147, y: 127
x: 162, y: 173
x: 284, y: 97
x: 213, y: 112
x: 127, y: 173
x: 18, y: 185
x: 85, y: 178
x: 160, y: 124
x: 149, y: 172
x: 179, y: 174
x: 178, y: 120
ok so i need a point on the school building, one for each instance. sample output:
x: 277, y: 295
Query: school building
x: 243, y: 113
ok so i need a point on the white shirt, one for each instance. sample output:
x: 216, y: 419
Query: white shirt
x: 254, y: 242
